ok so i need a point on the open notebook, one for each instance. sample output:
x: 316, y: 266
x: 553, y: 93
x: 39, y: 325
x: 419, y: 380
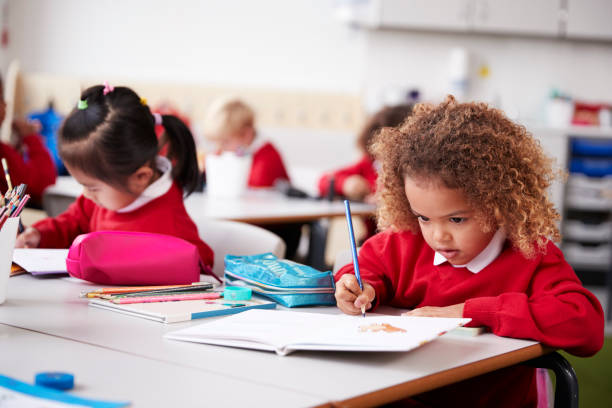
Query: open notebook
x: 288, y: 331
x: 38, y: 261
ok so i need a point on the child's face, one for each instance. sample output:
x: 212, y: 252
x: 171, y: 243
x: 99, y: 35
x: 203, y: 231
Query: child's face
x: 236, y: 141
x: 101, y: 193
x: 447, y: 221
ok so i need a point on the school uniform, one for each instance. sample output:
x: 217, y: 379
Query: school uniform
x: 539, y: 298
x: 267, y: 165
x: 35, y: 168
x: 159, y: 209
x: 365, y: 168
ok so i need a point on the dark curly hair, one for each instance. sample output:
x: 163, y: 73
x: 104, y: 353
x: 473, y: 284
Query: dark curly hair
x: 498, y: 165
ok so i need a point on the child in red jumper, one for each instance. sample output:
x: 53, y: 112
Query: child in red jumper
x: 108, y: 145
x: 466, y: 225
x: 230, y: 125
x: 31, y: 164
x: 357, y: 182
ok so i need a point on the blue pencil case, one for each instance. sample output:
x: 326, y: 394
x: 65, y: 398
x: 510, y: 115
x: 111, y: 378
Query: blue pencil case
x: 289, y: 283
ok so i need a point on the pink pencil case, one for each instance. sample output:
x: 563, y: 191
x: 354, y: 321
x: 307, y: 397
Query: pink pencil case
x: 134, y: 258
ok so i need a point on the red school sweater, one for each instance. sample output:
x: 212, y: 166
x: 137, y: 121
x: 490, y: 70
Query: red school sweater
x: 364, y: 168
x: 267, y: 167
x: 38, y: 171
x: 163, y: 215
x: 539, y: 299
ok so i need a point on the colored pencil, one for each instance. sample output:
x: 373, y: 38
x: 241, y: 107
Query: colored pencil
x: 167, y: 298
x: 349, y: 221
x: 131, y: 289
x: 169, y: 291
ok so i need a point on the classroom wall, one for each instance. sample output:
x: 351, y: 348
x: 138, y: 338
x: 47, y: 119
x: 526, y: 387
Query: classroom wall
x: 297, y: 45
x: 273, y: 43
x: 522, y: 70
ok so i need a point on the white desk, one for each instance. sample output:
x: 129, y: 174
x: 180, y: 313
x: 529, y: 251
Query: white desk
x: 106, y: 374
x: 52, y: 307
x: 256, y: 206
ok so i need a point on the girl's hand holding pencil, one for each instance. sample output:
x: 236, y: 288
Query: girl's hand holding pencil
x: 349, y: 296
x: 363, y: 303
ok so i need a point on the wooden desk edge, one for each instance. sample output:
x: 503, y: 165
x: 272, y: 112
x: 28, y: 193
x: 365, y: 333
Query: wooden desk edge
x: 453, y: 375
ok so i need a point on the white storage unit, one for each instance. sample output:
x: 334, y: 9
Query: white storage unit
x: 585, y: 199
x: 580, y: 19
x: 591, y: 19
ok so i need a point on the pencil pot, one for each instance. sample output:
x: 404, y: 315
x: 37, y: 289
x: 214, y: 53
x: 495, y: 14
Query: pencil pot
x: 289, y: 283
x: 8, y: 234
x: 227, y: 174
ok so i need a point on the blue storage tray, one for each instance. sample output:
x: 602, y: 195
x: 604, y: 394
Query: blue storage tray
x: 591, y: 167
x: 588, y: 147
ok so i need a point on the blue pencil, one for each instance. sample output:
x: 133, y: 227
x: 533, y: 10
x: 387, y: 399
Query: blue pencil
x: 349, y: 221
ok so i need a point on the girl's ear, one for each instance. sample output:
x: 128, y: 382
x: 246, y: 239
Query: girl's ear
x: 140, y: 179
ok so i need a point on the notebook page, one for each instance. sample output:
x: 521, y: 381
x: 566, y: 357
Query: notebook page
x: 39, y: 260
x: 289, y: 330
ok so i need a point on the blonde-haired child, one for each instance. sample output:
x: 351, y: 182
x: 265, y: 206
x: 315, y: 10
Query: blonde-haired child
x: 467, y: 227
x: 230, y: 125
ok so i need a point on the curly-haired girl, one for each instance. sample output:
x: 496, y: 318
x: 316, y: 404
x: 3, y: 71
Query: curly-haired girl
x: 467, y: 229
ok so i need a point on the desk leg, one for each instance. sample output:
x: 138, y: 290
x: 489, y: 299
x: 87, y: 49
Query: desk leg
x: 566, y: 389
x: 317, y: 244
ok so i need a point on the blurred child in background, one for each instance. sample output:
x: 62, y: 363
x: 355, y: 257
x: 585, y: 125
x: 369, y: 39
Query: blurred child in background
x: 230, y: 126
x: 29, y: 162
x: 357, y: 182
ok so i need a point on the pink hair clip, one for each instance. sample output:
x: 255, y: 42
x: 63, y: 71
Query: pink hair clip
x: 107, y: 88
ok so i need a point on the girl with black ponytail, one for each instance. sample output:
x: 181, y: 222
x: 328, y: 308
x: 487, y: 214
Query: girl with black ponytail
x: 108, y: 144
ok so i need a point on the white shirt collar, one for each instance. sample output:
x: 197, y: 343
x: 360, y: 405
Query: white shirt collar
x: 156, y: 189
x: 255, y: 145
x: 483, y: 259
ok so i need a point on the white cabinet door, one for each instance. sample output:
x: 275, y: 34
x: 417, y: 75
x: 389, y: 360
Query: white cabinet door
x: 528, y: 17
x: 589, y: 19
x: 442, y: 15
